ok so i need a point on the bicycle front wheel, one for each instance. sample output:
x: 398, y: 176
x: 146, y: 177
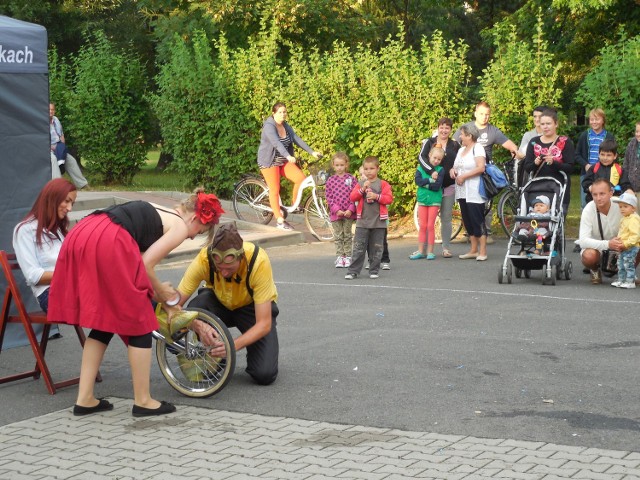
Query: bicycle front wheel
x: 317, y: 218
x: 507, y: 211
x: 189, y: 368
x: 251, y: 201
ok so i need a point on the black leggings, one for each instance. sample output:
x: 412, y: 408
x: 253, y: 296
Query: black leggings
x: 138, y: 341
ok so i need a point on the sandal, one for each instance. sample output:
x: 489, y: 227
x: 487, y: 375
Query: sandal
x: 446, y: 254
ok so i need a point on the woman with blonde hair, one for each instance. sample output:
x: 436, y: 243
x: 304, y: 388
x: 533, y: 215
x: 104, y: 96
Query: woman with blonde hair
x: 105, y: 280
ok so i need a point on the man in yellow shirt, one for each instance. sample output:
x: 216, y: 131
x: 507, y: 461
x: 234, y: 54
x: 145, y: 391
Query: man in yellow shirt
x: 240, y: 290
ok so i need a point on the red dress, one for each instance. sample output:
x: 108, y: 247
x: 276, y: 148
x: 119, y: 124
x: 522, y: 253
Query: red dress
x: 100, y: 281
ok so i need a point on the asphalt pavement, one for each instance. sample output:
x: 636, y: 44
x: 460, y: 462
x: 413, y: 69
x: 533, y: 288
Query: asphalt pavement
x: 434, y: 370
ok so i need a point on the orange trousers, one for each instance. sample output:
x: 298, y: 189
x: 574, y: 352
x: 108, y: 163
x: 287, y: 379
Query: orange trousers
x: 272, y: 176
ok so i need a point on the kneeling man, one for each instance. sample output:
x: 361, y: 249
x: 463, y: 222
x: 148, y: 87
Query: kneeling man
x: 240, y: 290
x: 599, y: 226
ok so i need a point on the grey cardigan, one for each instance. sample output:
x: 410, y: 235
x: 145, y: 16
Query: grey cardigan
x: 271, y: 146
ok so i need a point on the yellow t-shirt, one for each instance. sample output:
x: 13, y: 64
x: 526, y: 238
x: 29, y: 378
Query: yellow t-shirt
x: 629, y: 232
x: 233, y: 294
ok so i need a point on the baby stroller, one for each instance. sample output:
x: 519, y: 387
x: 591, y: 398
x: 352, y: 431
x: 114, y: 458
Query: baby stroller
x: 538, y: 241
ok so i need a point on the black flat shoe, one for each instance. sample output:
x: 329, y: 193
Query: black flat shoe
x: 163, y: 409
x: 102, y: 406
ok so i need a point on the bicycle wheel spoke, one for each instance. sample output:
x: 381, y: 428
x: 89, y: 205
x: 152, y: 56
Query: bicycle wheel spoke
x: 192, y: 371
x: 317, y: 218
x: 507, y: 211
x: 251, y: 201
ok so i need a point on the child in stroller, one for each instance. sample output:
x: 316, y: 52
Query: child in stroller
x: 535, y: 229
x: 539, y: 233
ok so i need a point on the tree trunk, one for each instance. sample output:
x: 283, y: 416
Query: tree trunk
x: 164, y: 161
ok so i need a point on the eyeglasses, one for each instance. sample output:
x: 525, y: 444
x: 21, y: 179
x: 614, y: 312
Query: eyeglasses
x: 227, y: 257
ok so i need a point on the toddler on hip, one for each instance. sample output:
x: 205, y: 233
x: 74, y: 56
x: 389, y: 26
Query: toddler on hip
x: 429, y: 180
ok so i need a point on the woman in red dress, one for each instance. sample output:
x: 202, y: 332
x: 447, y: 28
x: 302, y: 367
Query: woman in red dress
x: 105, y: 281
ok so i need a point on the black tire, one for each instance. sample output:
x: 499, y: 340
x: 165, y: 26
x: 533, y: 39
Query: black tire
x: 317, y: 218
x: 196, y: 374
x: 248, y: 193
x: 568, y: 270
x: 559, y: 271
x: 518, y: 272
x: 507, y: 211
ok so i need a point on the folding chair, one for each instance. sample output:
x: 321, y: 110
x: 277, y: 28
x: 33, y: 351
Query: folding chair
x: 27, y: 319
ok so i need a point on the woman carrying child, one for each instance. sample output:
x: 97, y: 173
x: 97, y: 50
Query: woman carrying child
x: 450, y: 147
x: 342, y: 211
x: 429, y: 179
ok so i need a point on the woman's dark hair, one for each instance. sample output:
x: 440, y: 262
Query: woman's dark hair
x: 277, y: 105
x: 550, y: 112
x: 45, y: 209
x: 445, y: 121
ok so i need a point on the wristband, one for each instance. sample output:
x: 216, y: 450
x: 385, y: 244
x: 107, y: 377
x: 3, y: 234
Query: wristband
x: 173, y: 302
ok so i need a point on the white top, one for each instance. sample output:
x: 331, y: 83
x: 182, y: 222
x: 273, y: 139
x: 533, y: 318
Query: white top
x: 470, y: 188
x: 55, y: 130
x: 34, y: 260
x: 526, y: 138
x: 589, y: 231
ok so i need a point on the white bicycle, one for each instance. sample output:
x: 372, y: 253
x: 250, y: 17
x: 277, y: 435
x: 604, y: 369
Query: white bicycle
x: 251, y: 203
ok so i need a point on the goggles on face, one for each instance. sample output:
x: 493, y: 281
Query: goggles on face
x: 228, y: 256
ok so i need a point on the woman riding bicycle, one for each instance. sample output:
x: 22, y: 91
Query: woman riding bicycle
x: 275, y: 158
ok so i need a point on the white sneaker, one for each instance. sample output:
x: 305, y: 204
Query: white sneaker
x: 385, y: 266
x: 284, y: 226
x: 628, y: 285
x: 374, y: 275
x: 367, y: 266
x: 347, y: 262
x: 340, y: 262
x: 617, y: 283
x: 350, y: 276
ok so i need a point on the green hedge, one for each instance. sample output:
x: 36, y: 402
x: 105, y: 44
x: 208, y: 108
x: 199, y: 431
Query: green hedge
x: 614, y: 85
x: 364, y: 102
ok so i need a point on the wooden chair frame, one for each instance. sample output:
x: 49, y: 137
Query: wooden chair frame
x: 27, y: 319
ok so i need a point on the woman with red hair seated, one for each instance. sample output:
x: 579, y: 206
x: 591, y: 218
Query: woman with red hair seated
x: 37, y: 239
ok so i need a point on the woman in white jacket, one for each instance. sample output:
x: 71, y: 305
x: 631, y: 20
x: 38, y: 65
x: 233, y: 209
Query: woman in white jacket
x: 38, y: 238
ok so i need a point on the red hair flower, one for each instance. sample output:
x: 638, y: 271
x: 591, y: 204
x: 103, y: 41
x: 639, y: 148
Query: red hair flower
x: 208, y: 208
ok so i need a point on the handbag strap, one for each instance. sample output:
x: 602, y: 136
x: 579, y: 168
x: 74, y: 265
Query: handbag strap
x: 599, y: 222
x: 542, y: 163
